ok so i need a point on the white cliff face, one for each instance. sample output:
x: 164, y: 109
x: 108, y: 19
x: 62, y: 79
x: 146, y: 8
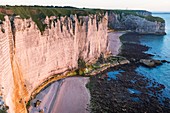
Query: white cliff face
x: 136, y: 24
x: 6, y: 73
x: 27, y: 57
x: 141, y: 25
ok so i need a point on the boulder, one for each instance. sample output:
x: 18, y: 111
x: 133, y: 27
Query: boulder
x: 124, y: 62
x: 41, y: 111
x: 150, y: 62
x: 165, y: 61
x: 37, y: 103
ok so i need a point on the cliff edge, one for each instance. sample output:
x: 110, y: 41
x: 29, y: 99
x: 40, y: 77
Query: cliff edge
x: 141, y: 22
x: 28, y: 57
x: 37, y: 42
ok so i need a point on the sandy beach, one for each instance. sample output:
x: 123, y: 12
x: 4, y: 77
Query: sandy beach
x: 69, y: 95
x: 114, y: 42
x: 73, y: 96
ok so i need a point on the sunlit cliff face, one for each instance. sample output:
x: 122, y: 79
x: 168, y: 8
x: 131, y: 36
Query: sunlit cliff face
x: 28, y: 57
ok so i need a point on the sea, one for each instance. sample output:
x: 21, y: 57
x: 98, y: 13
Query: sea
x: 159, y: 46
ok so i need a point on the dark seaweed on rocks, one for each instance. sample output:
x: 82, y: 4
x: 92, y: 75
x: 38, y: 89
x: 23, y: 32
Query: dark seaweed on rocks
x: 130, y: 92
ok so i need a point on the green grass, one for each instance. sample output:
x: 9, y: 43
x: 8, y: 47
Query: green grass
x: 153, y: 19
x: 2, y: 111
x: 2, y: 17
x: 81, y: 63
x: 38, y: 13
x: 28, y: 104
x: 134, y: 12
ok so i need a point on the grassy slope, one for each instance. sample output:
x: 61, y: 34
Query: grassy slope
x: 38, y: 13
x: 133, y: 12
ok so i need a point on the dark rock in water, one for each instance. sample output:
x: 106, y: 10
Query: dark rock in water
x: 37, y: 103
x: 165, y: 61
x: 150, y: 62
x: 157, y: 62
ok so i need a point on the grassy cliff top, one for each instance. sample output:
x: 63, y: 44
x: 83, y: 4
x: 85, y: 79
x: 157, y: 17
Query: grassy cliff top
x: 38, y: 13
x: 148, y: 17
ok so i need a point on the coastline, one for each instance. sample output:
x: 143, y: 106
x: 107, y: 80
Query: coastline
x: 63, y: 87
x: 124, y: 89
x: 127, y: 93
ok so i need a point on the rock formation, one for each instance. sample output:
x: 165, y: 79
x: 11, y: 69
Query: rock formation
x: 142, y: 23
x: 28, y: 57
x: 150, y: 62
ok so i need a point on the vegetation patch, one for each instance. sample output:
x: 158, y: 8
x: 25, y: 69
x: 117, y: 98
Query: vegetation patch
x: 2, y: 111
x: 153, y: 19
x: 2, y: 17
x: 136, y: 13
x: 39, y: 13
x: 28, y: 104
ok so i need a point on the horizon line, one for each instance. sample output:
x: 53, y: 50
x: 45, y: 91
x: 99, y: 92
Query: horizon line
x: 153, y: 11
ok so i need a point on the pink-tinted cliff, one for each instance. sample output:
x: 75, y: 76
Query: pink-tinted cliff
x: 28, y: 57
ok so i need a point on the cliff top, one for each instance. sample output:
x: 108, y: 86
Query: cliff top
x: 39, y: 13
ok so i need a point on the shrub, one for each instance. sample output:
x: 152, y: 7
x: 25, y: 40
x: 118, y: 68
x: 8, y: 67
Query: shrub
x: 2, y: 17
x: 81, y: 63
x: 2, y: 111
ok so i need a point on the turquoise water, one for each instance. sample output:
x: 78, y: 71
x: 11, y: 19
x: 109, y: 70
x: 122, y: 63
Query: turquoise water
x: 113, y: 74
x: 160, y: 47
x: 133, y: 91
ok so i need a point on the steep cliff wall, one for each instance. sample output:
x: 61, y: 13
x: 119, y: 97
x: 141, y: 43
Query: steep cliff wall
x: 28, y: 57
x: 6, y: 73
x: 140, y: 22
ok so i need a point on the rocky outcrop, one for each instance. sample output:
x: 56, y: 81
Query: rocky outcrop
x: 142, y: 23
x: 28, y: 57
x: 150, y: 62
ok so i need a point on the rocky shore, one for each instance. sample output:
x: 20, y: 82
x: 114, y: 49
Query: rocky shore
x: 122, y: 90
x: 115, y: 86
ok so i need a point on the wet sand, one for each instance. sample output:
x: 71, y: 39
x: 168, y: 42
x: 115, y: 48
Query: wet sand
x: 69, y: 95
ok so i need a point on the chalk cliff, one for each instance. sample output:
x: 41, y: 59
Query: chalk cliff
x: 139, y: 22
x: 28, y: 57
